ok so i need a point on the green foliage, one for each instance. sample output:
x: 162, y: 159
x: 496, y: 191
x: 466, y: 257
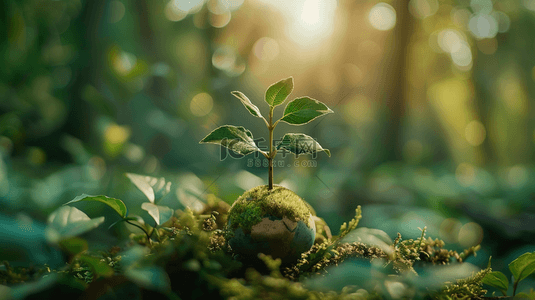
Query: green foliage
x: 297, y: 112
x: 498, y: 280
x: 189, y: 258
x: 277, y: 93
x: 300, y: 143
x: 303, y: 110
x: 67, y: 222
x: 235, y: 138
x: 116, y: 204
x: 253, y: 109
x: 153, y: 188
x: 160, y: 214
x: 466, y: 288
x: 521, y: 267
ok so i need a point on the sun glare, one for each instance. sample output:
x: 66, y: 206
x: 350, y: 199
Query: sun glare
x: 309, y: 21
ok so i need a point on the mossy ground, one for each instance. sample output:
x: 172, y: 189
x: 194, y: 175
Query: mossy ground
x: 257, y: 202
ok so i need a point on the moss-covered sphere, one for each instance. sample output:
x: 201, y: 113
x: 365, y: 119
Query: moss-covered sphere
x: 276, y: 223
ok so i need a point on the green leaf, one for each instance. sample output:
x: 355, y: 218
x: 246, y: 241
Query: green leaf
x: 247, y: 103
x: 153, y: 188
x: 99, y: 267
x: 523, y: 266
x: 300, y: 143
x: 68, y: 221
x: 150, y: 277
x: 116, y: 204
x: 160, y: 214
x: 303, y: 110
x: 496, y: 279
x: 277, y: 93
x: 235, y: 138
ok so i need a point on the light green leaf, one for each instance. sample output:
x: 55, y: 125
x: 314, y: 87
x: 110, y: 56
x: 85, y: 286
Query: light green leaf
x: 523, y: 266
x: 496, y: 279
x: 247, y: 103
x: 277, y: 93
x: 99, y: 267
x: 153, y: 188
x: 116, y: 204
x: 68, y: 221
x: 160, y: 214
x: 235, y: 138
x: 300, y: 143
x: 303, y: 110
x: 150, y: 277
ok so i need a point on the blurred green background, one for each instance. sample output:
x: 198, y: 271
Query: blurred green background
x: 434, y: 121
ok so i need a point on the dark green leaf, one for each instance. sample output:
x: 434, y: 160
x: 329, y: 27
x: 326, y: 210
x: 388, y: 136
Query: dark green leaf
x: 236, y: 138
x: 523, y: 266
x: 300, y: 143
x: 153, y: 188
x: 68, y: 221
x: 99, y: 267
x: 496, y: 279
x: 116, y: 204
x: 160, y: 214
x: 277, y: 93
x: 303, y: 110
x: 247, y: 103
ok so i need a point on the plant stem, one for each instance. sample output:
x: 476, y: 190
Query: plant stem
x: 270, y: 154
x: 515, y: 285
x: 145, y: 231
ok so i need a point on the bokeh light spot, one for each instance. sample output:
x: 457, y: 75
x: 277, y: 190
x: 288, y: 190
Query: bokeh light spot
x: 422, y: 9
x: 483, y: 26
x: 116, y: 134
x: 471, y: 234
x: 465, y: 174
x: 266, y: 49
x: 475, y: 133
x: 481, y: 6
x: 201, y: 104
x: 382, y: 16
x: 359, y: 109
x: 220, y: 20
x: 116, y: 11
x: 462, y: 55
x: 173, y: 12
x: 224, y: 58
x: 503, y: 21
x: 449, y: 230
x: 517, y: 176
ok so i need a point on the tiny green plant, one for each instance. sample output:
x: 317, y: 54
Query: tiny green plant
x: 521, y: 268
x: 299, y: 111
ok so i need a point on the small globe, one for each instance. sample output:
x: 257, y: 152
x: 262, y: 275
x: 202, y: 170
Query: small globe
x: 276, y: 223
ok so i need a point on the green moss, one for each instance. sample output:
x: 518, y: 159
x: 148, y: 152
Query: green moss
x: 257, y: 202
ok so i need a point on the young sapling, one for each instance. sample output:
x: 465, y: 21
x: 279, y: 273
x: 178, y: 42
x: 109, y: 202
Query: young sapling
x: 272, y: 219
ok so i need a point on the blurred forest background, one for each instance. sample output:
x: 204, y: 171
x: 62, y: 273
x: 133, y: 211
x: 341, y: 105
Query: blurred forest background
x: 434, y: 121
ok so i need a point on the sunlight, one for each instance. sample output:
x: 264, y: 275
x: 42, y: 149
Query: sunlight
x: 309, y: 21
